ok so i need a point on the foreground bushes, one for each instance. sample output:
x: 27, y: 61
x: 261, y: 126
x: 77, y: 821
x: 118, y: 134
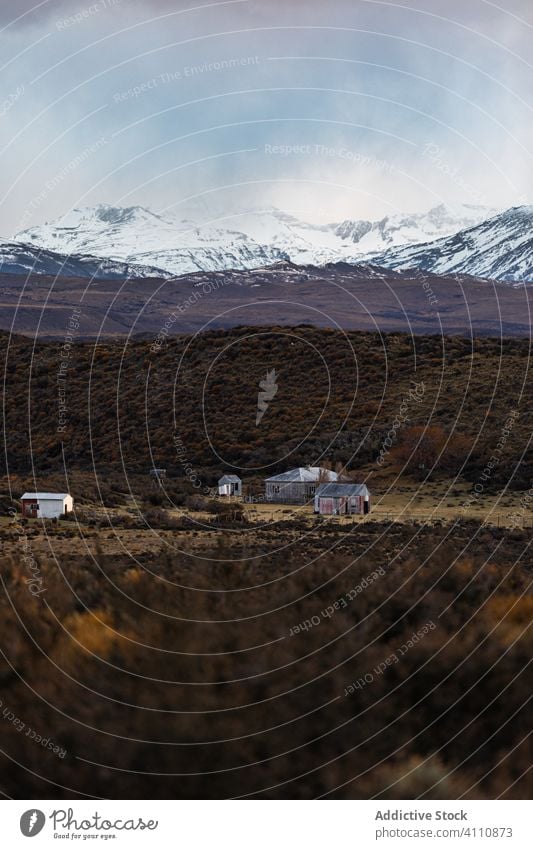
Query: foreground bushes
x: 176, y: 673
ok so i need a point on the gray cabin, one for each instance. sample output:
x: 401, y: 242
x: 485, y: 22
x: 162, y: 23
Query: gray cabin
x: 297, y: 486
x: 158, y: 477
x: 339, y: 499
x: 230, y: 485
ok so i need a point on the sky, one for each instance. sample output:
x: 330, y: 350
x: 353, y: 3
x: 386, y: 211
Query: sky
x: 327, y: 110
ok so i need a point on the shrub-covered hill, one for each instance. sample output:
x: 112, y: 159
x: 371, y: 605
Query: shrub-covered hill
x: 192, y: 402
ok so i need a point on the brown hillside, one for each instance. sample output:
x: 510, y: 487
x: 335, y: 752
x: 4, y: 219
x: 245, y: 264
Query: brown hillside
x: 194, y: 401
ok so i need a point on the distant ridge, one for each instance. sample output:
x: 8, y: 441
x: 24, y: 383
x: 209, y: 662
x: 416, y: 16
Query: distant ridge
x: 500, y: 248
x: 137, y: 237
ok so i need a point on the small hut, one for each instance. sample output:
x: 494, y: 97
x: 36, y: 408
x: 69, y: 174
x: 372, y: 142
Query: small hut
x: 230, y: 485
x: 158, y: 476
x: 46, y: 505
x: 340, y: 499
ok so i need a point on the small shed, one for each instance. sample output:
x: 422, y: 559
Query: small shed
x: 298, y: 485
x: 158, y: 476
x: 338, y: 499
x: 230, y: 485
x: 46, y: 505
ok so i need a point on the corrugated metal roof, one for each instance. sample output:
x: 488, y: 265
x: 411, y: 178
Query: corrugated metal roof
x: 45, y: 496
x: 229, y: 479
x: 341, y: 490
x: 307, y: 474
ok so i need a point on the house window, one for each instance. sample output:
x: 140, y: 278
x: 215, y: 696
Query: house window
x: 275, y: 489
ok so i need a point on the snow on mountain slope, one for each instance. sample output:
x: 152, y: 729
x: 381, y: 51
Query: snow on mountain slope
x: 397, y: 230
x: 500, y: 248
x: 135, y: 235
x: 17, y: 258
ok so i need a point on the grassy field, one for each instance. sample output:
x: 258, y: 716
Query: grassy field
x: 438, y: 501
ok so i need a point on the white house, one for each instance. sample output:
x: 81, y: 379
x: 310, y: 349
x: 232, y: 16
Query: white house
x: 230, y: 485
x: 298, y: 485
x: 46, y: 505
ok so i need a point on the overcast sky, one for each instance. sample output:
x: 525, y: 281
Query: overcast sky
x: 326, y: 109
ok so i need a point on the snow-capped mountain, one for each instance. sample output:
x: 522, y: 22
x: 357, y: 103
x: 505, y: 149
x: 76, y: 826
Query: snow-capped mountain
x: 136, y: 236
x: 500, y: 248
x: 17, y: 258
x: 397, y: 230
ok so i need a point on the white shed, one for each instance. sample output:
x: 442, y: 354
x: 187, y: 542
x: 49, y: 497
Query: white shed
x: 46, y: 505
x: 230, y: 485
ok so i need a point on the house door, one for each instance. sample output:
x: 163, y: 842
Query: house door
x: 30, y: 509
x: 326, y: 506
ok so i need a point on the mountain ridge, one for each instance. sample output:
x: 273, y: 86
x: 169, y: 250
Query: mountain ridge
x: 337, y: 295
x: 111, y: 242
x: 19, y: 258
x: 250, y: 239
x: 500, y: 248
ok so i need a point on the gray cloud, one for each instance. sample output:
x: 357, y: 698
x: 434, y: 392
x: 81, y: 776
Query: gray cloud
x: 403, y: 82
x: 18, y: 13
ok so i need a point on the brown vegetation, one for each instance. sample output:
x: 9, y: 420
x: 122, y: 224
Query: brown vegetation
x: 191, y: 407
x: 175, y: 675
